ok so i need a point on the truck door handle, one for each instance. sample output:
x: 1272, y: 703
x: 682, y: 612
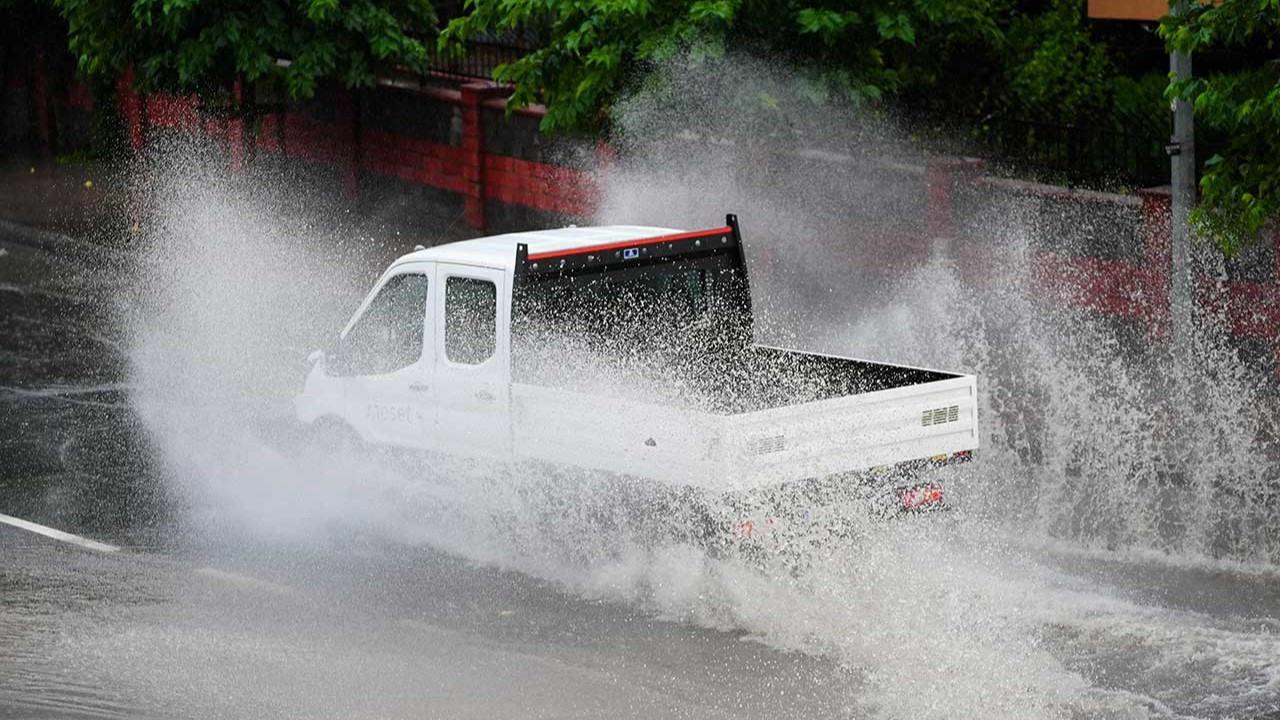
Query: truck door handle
x: 485, y: 396
x: 419, y: 387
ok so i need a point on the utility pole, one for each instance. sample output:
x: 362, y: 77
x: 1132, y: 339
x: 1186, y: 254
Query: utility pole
x: 1182, y: 155
x: 1182, y: 152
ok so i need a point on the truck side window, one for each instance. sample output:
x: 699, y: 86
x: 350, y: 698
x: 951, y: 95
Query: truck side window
x: 388, y: 336
x: 470, y: 320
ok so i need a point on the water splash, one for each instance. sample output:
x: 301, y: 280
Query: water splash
x: 949, y: 617
x: 1093, y: 431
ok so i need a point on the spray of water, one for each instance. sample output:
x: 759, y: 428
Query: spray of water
x: 1102, y: 434
x: 943, y: 617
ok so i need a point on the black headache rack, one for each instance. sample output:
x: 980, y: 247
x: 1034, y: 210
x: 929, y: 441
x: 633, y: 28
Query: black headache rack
x: 637, y: 253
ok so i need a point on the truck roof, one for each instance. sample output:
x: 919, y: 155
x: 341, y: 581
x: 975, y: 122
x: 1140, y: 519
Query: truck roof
x: 499, y: 251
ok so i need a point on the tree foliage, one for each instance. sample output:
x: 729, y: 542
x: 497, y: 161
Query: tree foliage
x: 589, y: 49
x: 1239, y: 184
x: 958, y: 60
x: 198, y: 45
x: 1055, y: 69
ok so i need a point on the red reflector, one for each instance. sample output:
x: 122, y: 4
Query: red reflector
x: 921, y: 496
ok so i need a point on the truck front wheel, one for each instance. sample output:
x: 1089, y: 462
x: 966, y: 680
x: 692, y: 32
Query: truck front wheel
x: 333, y: 436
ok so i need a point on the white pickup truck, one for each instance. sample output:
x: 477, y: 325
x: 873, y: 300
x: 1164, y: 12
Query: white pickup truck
x: 627, y: 350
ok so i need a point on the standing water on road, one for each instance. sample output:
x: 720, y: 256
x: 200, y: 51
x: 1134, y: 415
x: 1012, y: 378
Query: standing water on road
x: 1111, y: 554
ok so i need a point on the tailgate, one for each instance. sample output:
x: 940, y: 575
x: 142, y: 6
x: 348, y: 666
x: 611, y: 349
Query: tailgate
x: 850, y: 433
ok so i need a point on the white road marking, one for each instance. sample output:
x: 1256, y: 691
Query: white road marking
x: 225, y: 576
x: 238, y: 579
x: 58, y: 534
x: 62, y: 390
x: 66, y: 395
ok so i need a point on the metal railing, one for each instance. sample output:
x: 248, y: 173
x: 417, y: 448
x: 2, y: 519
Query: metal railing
x: 1075, y: 154
x: 483, y: 54
x: 479, y: 60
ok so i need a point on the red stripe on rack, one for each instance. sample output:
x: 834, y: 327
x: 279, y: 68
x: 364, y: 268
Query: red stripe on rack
x: 633, y: 243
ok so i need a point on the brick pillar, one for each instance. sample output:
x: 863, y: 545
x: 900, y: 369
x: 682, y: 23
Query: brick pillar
x: 235, y: 127
x: 473, y: 94
x: 348, y: 117
x: 40, y: 101
x: 473, y: 154
x: 130, y: 110
x: 1275, y: 279
x: 947, y: 181
x: 606, y: 156
x: 1275, y: 258
x: 943, y: 178
x: 1157, y: 257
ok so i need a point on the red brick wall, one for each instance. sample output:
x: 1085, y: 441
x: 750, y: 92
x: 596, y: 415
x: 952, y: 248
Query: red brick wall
x: 466, y: 169
x: 414, y: 160
x: 541, y: 186
x: 1135, y: 291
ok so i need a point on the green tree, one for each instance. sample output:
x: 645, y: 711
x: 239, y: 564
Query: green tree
x: 1054, y: 69
x: 204, y: 45
x: 589, y: 50
x: 1239, y: 184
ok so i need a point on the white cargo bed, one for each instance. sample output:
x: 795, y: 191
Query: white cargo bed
x: 748, y: 450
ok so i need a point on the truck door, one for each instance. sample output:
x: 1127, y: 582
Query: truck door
x: 471, y: 385
x: 385, y: 356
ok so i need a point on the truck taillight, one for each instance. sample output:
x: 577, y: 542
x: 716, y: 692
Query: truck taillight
x: 922, y: 496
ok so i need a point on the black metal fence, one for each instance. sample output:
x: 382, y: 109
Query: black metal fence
x: 1077, y: 155
x: 479, y: 60
x: 483, y: 54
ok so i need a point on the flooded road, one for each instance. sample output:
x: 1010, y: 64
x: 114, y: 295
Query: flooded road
x: 201, y: 616
x: 359, y: 631
x: 173, y: 625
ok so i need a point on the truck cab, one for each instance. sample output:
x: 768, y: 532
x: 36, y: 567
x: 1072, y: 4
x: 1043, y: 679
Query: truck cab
x: 425, y: 361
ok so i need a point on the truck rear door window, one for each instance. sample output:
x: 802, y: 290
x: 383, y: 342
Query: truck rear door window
x: 655, y: 309
x: 640, y: 330
x: 470, y: 320
x: 388, y: 336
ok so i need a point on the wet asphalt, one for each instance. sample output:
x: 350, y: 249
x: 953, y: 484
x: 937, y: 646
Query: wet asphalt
x: 169, y: 626
x: 359, y: 626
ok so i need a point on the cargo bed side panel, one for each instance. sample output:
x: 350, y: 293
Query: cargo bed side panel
x: 611, y: 434
x: 852, y: 433
x: 741, y: 452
